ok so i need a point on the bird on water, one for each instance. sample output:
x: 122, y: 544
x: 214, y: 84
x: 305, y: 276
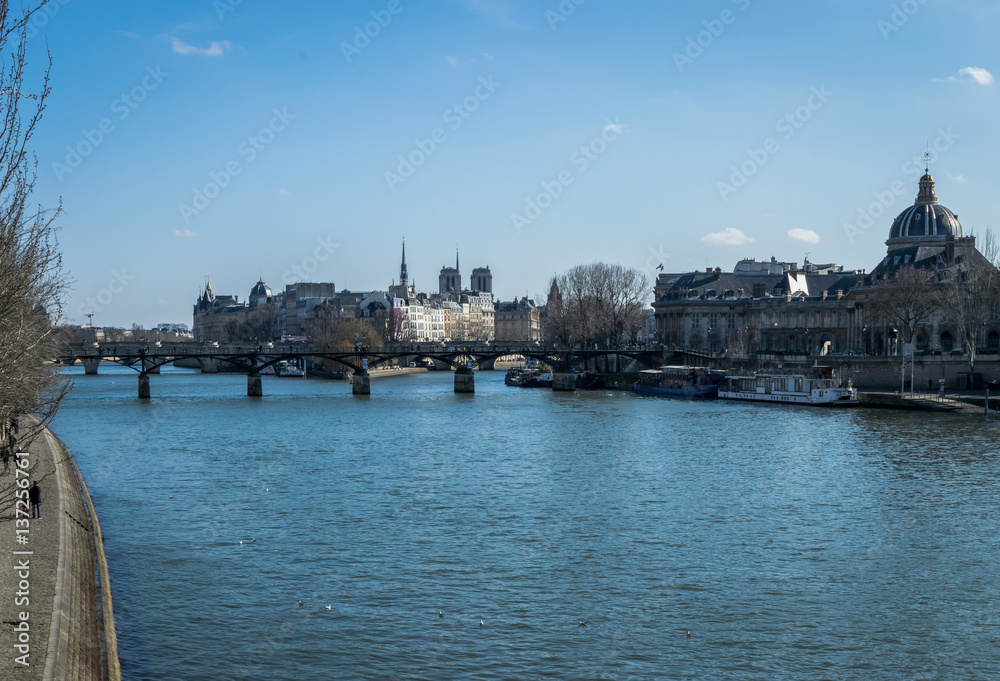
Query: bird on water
x: 329, y: 607
x: 689, y: 634
x: 582, y: 623
x: 301, y: 604
x: 440, y: 615
x: 480, y: 623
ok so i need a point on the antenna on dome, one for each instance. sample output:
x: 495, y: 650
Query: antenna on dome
x: 927, y: 157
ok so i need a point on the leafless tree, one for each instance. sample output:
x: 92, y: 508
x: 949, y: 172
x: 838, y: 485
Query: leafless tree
x: 972, y: 287
x: 32, y: 284
x: 260, y: 324
x: 906, y: 300
x: 598, y: 304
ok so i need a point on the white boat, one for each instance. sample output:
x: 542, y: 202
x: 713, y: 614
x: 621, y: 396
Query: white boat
x: 816, y: 386
x: 288, y: 369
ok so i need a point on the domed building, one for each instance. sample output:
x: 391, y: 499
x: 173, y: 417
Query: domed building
x: 260, y: 293
x: 926, y: 221
x: 924, y: 235
x: 793, y: 312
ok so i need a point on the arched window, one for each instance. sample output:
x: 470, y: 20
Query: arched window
x: 947, y: 343
x: 921, y: 342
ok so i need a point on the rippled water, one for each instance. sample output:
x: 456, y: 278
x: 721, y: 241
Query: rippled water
x: 792, y: 542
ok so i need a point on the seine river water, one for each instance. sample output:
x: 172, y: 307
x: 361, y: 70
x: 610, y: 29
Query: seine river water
x: 791, y: 542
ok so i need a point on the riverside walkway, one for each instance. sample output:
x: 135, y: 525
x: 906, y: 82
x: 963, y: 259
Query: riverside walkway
x: 55, y: 600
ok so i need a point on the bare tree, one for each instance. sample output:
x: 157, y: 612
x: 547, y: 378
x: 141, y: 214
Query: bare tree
x: 32, y: 284
x: 972, y: 286
x: 597, y: 304
x: 907, y: 300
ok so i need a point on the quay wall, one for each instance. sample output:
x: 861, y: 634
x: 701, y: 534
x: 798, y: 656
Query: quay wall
x: 81, y: 642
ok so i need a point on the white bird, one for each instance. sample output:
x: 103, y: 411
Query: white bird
x: 267, y: 489
x: 301, y: 604
x: 440, y: 615
x: 689, y: 634
x: 241, y: 542
x: 480, y: 623
x: 329, y: 607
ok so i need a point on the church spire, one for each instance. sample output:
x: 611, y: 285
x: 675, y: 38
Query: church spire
x: 402, y: 266
x: 456, y: 259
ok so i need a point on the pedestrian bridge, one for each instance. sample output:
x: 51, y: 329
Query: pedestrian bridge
x: 147, y: 358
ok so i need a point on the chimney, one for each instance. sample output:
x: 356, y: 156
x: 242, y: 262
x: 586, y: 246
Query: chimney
x: 758, y: 289
x: 823, y: 297
x: 949, y: 248
x: 840, y: 293
x: 860, y: 275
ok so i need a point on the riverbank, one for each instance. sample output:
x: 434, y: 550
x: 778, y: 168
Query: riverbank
x: 54, y: 587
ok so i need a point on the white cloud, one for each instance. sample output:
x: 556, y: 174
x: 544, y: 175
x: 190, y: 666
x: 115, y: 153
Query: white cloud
x: 451, y: 60
x: 957, y: 178
x: 615, y: 127
x: 981, y: 76
x: 970, y: 74
x: 489, y: 57
x: 729, y: 237
x: 215, y: 48
x: 184, y: 233
x: 806, y: 235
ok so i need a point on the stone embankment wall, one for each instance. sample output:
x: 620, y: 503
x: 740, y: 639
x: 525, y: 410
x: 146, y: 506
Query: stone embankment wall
x: 72, y: 632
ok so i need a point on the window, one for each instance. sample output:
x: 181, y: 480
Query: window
x: 947, y: 342
x: 713, y: 321
x: 696, y: 321
x: 731, y: 321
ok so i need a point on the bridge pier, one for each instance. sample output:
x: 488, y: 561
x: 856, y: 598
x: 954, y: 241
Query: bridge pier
x: 90, y: 365
x: 465, y: 380
x: 488, y: 364
x: 361, y: 383
x: 563, y: 381
x: 255, y: 386
x: 209, y: 365
x: 143, y: 385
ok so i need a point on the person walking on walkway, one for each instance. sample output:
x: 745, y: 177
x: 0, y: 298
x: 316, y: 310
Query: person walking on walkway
x: 35, y: 498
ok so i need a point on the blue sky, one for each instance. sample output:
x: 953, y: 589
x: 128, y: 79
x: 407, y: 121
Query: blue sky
x: 237, y: 139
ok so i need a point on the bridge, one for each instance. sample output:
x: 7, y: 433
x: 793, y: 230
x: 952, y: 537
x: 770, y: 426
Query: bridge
x: 146, y: 359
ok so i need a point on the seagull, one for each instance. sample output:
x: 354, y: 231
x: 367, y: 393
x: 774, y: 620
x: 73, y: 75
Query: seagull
x: 329, y: 607
x: 267, y: 489
x: 689, y: 634
x: 480, y: 623
x: 440, y: 615
x: 241, y: 542
x: 301, y: 604
x: 582, y: 623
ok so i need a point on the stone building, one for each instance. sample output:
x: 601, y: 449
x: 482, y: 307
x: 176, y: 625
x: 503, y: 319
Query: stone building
x: 517, y: 320
x: 778, y: 308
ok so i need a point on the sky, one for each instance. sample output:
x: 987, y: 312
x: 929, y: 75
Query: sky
x: 231, y: 140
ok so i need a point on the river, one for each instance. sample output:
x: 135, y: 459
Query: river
x: 792, y: 542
